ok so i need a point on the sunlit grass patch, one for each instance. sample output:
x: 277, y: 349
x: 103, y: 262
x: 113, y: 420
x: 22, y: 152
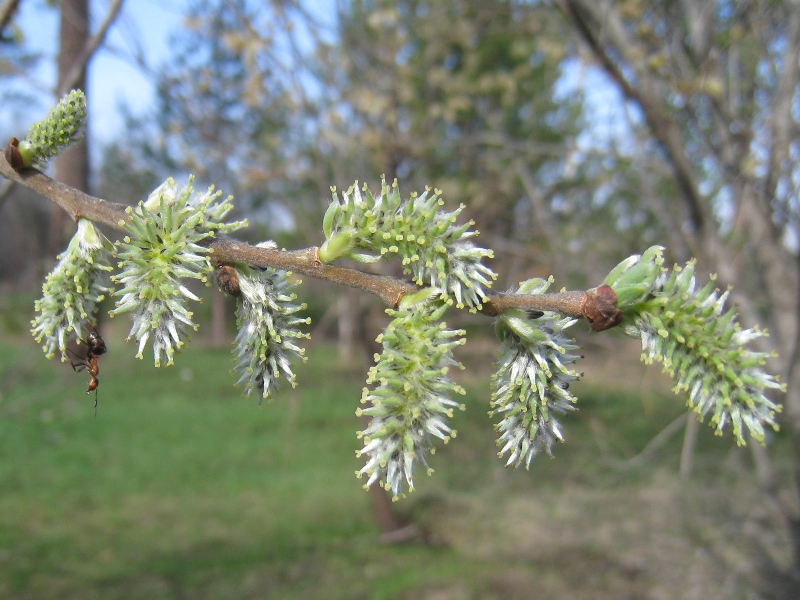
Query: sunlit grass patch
x: 180, y: 486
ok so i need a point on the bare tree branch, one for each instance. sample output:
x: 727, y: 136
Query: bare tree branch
x: 74, y: 77
x: 389, y: 289
x: 7, y: 10
x: 657, y: 442
x: 619, y: 54
x: 699, y: 14
x: 781, y: 113
x: 587, y: 21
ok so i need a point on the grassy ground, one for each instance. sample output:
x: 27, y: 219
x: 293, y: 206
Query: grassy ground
x: 182, y: 489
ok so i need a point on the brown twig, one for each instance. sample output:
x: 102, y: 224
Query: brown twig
x: 7, y: 10
x: 575, y: 304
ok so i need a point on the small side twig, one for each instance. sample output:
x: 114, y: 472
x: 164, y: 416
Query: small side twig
x: 657, y: 442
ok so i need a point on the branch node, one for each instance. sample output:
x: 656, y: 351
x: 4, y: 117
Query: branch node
x: 228, y: 280
x: 399, y: 297
x: 13, y: 155
x: 599, y: 307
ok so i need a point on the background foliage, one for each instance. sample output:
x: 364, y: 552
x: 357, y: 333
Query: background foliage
x: 577, y: 132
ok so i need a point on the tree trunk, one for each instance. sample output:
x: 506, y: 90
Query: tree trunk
x: 355, y: 336
x: 382, y: 509
x: 219, y: 316
x: 793, y: 417
x: 349, y: 310
x: 72, y: 165
x: 689, y: 443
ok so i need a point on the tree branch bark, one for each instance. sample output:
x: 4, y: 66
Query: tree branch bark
x: 78, y: 205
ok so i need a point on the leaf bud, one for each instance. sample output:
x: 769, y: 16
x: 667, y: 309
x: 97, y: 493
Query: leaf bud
x: 634, y: 278
x: 337, y: 245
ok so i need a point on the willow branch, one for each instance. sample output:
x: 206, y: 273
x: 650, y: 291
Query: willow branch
x: 306, y: 261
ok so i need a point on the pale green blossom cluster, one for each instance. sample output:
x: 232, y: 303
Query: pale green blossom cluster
x: 72, y: 291
x: 62, y: 126
x: 411, y: 401
x: 268, y: 329
x: 408, y: 400
x: 530, y: 386
x: 700, y: 344
x: 432, y: 248
x: 161, y: 251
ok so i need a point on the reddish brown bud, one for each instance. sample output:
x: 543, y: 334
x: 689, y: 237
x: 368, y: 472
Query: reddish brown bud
x: 228, y: 280
x: 13, y: 155
x: 600, y: 308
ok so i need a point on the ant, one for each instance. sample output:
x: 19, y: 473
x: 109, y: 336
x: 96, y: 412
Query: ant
x: 95, y: 346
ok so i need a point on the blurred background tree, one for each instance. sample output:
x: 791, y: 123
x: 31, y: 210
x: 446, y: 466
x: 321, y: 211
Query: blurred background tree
x: 77, y: 44
x: 577, y: 132
x: 276, y: 104
x: 711, y: 91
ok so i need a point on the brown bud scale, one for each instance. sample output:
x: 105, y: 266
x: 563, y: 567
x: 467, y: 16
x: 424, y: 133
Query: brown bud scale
x: 13, y: 155
x: 600, y: 308
x: 228, y: 280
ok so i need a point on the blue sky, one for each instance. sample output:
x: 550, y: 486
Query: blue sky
x: 114, y: 78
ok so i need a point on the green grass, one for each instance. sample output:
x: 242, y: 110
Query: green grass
x: 180, y: 488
